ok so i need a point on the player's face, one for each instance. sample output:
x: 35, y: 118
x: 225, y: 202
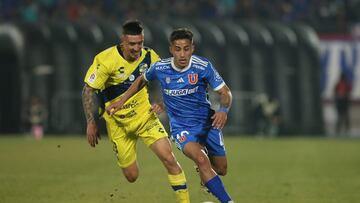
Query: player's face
x: 181, y: 49
x: 131, y: 46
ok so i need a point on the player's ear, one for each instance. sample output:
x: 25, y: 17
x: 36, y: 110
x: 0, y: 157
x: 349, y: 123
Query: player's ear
x: 122, y: 38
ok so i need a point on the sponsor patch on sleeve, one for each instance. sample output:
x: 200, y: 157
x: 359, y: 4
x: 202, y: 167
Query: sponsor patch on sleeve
x: 92, y: 78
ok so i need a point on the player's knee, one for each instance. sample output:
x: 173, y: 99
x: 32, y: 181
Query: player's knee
x: 131, y: 178
x: 131, y: 175
x: 222, y: 170
x: 170, y: 162
x: 202, y: 161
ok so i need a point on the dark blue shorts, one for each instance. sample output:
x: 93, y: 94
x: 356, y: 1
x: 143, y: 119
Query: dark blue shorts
x: 211, y: 138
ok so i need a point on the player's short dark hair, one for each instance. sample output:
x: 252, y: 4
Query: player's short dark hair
x: 132, y: 27
x: 181, y: 33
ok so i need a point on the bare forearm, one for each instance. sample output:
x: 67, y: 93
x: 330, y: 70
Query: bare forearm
x: 225, y: 97
x: 90, y: 104
x: 138, y: 84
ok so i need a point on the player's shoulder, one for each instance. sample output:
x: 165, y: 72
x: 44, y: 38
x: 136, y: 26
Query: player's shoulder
x: 107, y: 56
x: 200, y: 62
x: 149, y: 50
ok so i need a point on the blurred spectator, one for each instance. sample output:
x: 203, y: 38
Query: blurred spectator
x: 267, y: 115
x: 323, y: 15
x: 342, y: 102
x: 30, y: 11
x: 37, y: 117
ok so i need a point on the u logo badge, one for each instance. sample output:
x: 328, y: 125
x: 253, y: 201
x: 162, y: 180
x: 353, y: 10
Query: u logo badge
x: 193, y: 78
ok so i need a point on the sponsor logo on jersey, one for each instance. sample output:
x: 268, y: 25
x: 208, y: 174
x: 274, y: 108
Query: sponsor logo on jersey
x: 92, y: 78
x: 121, y: 73
x: 180, y: 92
x: 128, y: 115
x: 193, y: 78
x: 121, y: 69
x: 161, y: 67
x: 134, y: 103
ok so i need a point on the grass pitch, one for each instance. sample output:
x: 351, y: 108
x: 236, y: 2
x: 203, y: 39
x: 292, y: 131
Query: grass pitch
x: 282, y: 170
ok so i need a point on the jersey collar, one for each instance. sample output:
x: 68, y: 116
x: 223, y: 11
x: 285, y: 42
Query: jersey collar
x: 121, y: 54
x: 178, y: 69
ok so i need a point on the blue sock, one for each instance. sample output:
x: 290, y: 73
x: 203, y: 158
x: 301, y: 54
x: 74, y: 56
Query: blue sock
x: 216, y: 187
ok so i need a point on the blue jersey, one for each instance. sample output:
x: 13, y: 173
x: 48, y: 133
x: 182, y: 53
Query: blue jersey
x: 185, y: 90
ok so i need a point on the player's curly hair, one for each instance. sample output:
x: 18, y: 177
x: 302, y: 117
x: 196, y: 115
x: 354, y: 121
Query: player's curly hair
x: 132, y: 27
x: 181, y: 33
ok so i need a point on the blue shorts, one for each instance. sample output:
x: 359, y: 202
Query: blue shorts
x: 211, y: 138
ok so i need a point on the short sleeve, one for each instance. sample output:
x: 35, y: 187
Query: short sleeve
x: 150, y: 74
x: 97, y: 75
x: 214, y: 79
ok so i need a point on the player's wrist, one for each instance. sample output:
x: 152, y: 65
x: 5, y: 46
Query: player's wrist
x: 224, y: 109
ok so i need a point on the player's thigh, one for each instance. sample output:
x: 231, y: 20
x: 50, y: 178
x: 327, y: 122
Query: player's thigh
x: 162, y: 148
x: 214, y: 143
x: 152, y: 130
x: 124, y: 145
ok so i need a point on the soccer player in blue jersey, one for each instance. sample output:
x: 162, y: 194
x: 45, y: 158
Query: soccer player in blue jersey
x: 112, y: 72
x: 184, y: 79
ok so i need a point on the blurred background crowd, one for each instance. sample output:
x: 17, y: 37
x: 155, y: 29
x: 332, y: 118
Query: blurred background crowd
x: 324, y: 15
x: 282, y: 59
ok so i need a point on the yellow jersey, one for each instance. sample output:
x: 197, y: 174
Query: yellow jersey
x: 111, y: 75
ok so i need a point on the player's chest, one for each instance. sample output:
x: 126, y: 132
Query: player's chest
x: 123, y: 73
x: 175, y: 80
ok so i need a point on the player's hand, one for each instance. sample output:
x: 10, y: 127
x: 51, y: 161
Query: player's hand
x: 157, y: 108
x: 92, y: 134
x: 113, y: 108
x: 219, y: 119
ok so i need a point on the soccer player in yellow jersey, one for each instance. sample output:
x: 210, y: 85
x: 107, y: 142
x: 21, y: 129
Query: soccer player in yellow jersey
x: 110, y: 75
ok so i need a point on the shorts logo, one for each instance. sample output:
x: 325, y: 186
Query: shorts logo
x: 193, y: 78
x: 92, y: 78
x: 181, y: 137
x: 161, y: 130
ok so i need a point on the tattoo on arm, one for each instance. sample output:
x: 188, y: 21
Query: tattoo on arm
x: 90, y: 104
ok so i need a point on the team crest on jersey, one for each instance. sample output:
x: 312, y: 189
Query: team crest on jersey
x: 143, y: 67
x: 193, y: 78
x: 92, y: 78
x: 167, y: 80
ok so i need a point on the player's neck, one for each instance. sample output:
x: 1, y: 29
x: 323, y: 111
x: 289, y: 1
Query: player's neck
x: 121, y: 52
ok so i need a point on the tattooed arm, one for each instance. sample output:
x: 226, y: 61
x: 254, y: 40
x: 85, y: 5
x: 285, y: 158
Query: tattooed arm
x: 91, y: 107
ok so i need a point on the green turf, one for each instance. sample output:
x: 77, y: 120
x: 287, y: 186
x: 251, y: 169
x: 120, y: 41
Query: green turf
x: 287, y: 170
